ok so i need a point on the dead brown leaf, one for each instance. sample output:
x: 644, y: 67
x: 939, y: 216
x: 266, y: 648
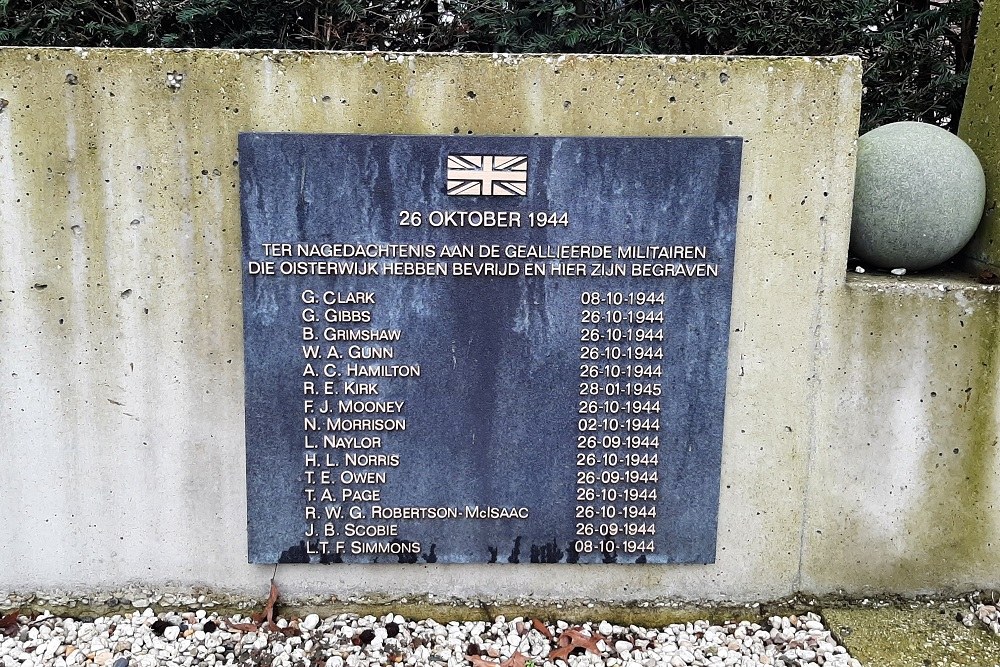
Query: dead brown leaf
x: 516, y: 660
x: 987, y: 277
x: 577, y: 639
x: 242, y: 627
x: 271, y: 599
x: 541, y: 627
x: 561, y: 653
x: 479, y: 662
x: 267, y: 613
x: 9, y: 625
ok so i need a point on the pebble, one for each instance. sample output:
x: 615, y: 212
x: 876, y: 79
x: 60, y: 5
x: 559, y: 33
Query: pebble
x: 986, y: 614
x: 127, y: 639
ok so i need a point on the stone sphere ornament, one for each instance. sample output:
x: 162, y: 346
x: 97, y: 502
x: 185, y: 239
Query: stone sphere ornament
x: 918, y: 198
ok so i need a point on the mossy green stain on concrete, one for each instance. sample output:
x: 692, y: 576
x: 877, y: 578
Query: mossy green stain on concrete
x: 907, y: 476
x: 912, y: 635
x: 953, y: 520
x: 148, y: 379
x: 947, y: 525
x: 980, y: 128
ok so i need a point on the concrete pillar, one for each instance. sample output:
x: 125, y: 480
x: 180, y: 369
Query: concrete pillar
x: 980, y: 128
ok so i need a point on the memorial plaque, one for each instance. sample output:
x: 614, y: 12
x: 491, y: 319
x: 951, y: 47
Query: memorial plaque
x: 485, y: 349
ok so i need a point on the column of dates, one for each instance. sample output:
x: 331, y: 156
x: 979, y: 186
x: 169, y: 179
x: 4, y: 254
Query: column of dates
x: 619, y: 423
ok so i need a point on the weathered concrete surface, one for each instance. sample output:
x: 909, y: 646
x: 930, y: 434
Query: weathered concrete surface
x: 121, y: 380
x: 980, y: 128
x: 904, y: 484
x: 860, y: 450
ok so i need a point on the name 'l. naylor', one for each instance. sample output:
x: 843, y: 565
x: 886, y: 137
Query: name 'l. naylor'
x: 338, y: 442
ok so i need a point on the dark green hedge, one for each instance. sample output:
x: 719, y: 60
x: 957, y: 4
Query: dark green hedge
x: 917, y: 53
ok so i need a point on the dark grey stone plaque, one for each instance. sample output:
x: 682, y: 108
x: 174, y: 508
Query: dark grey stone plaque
x: 485, y: 349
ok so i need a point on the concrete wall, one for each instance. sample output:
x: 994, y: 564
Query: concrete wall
x: 121, y: 379
x: 904, y: 483
x: 979, y: 128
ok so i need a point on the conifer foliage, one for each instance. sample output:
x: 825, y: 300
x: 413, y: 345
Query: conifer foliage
x: 917, y: 53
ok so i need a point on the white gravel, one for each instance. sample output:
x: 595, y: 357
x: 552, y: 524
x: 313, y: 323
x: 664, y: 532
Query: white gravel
x: 147, y: 639
x: 986, y: 614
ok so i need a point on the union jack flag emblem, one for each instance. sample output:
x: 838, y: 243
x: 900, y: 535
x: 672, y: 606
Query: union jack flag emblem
x: 488, y: 175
